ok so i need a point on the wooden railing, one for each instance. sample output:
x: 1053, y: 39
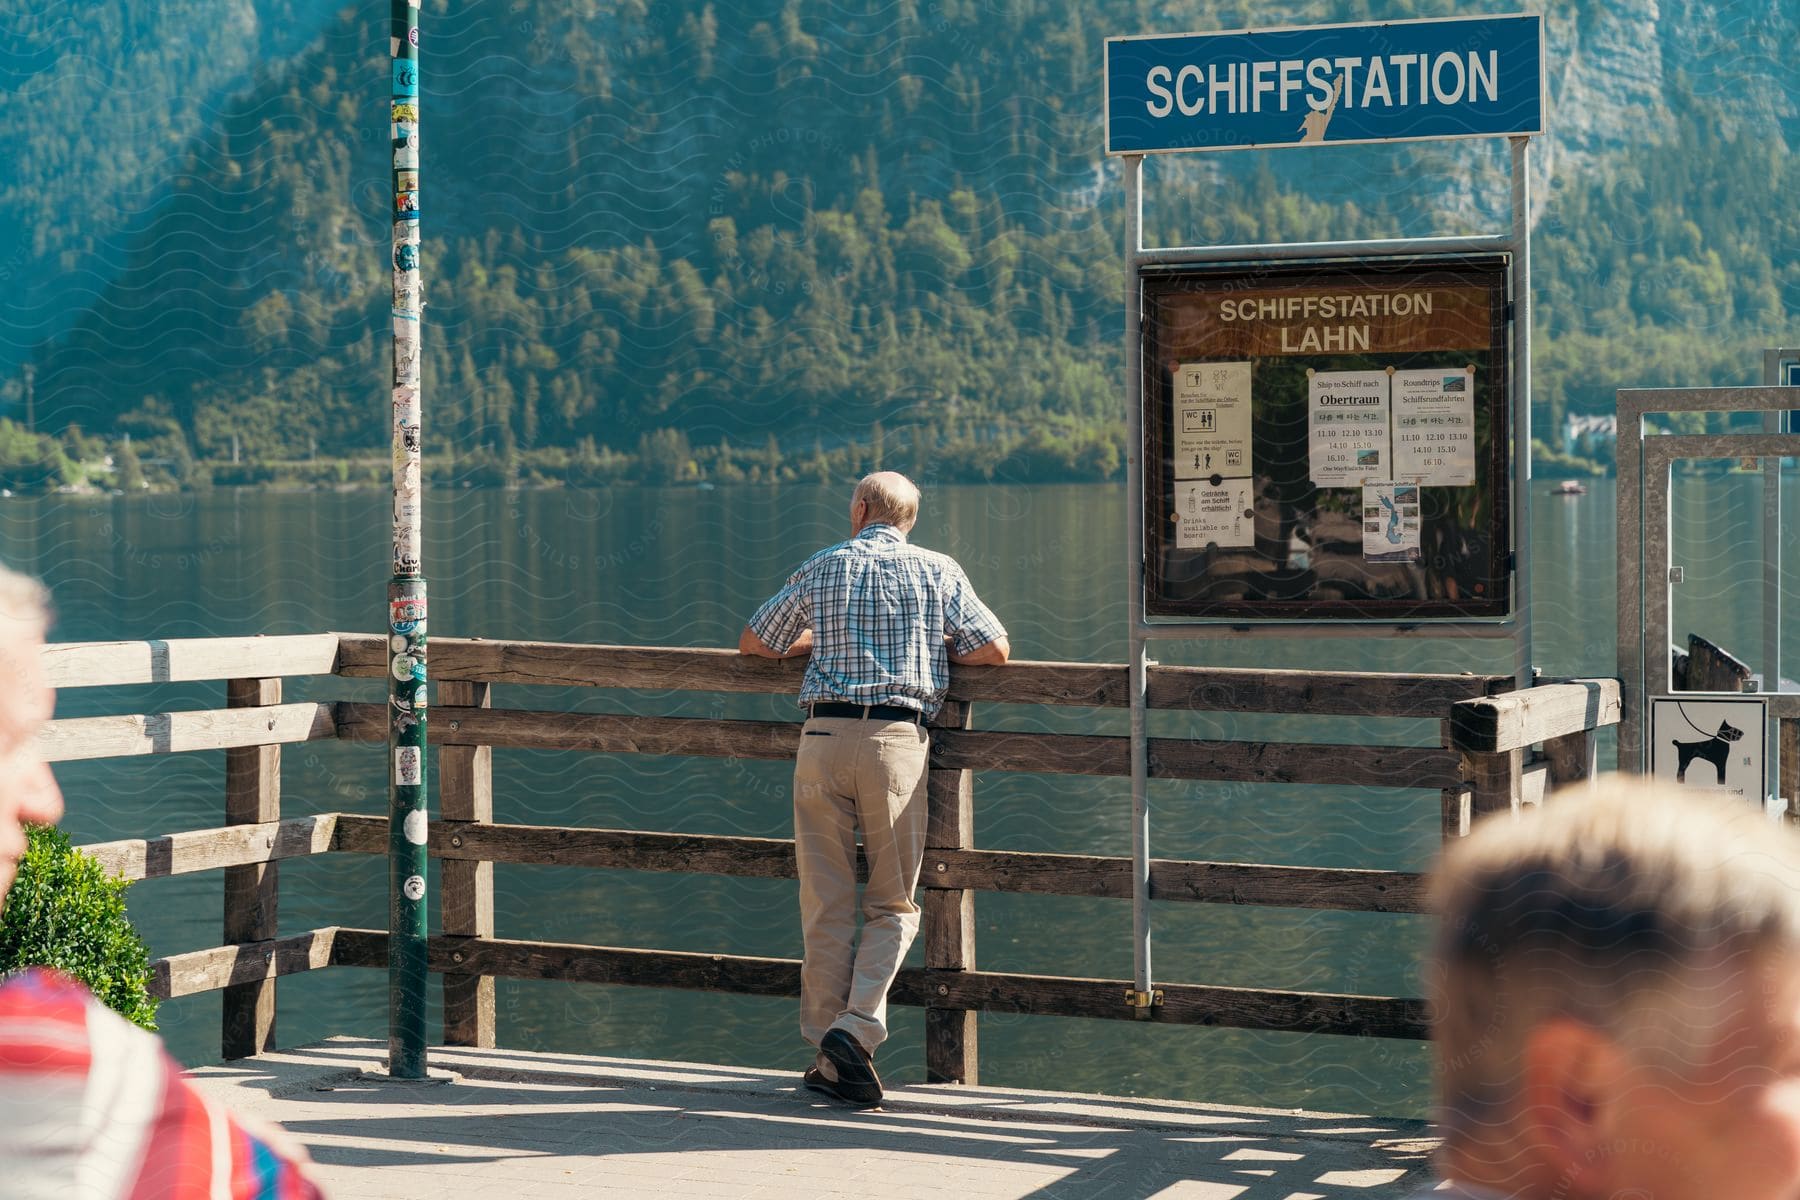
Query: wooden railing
x: 1481, y: 763
x: 251, y: 729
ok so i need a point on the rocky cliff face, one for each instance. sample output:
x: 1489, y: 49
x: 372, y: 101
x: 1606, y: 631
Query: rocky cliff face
x: 1617, y: 70
x: 1606, y: 81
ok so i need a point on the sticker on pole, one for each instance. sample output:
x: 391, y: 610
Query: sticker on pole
x: 409, y: 766
x: 1718, y: 745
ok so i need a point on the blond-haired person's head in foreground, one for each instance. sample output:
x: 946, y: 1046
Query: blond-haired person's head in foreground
x: 1615, y: 990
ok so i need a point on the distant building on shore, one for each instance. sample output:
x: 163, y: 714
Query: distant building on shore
x: 1593, y: 435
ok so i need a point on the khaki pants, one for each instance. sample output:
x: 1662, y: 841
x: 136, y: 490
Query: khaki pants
x: 851, y: 774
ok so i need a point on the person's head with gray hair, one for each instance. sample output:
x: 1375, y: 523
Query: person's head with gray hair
x: 28, y: 792
x: 1615, y: 994
x: 884, y: 498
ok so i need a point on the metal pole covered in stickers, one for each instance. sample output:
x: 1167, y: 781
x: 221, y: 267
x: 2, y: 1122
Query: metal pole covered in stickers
x: 407, y: 914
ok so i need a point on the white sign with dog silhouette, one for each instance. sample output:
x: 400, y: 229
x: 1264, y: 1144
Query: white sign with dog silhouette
x: 1713, y: 744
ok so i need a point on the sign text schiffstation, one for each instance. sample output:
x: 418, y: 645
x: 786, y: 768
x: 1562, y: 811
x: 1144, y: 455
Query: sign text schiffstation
x: 1261, y: 322
x: 1331, y: 84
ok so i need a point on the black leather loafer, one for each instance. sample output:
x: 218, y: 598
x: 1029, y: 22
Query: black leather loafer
x: 856, y: 1081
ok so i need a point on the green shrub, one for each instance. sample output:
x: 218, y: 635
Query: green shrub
x: 65, y: 912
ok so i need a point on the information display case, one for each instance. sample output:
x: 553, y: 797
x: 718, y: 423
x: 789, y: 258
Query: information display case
x: 1327, y: 441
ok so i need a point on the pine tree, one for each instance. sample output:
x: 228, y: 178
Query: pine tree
x: 128, y: 467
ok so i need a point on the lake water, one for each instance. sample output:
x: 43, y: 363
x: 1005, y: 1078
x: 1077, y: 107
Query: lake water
x: 684, y: 567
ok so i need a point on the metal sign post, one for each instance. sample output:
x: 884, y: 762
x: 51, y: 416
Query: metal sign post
x: 1248, y: 89
x: 1134, y: 601
x: 1781, y: 368
x: 407, y: 820
x: 1520, y: 380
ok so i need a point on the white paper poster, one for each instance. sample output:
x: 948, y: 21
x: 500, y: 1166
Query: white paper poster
x: 1212, y: 419
x: 1347, y: 427
x: 1221, y: 514
x: 1434, y: 427
x: 1390, y: 521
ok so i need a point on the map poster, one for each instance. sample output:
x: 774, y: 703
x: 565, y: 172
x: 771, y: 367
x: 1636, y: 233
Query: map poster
x: 1390, y: 522
x: 1347, y: 427
x: 1434, y: 427
x: 1212, y: 419
x: 1214, y: 514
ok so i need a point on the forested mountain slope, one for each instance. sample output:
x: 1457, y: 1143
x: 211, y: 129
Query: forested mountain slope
x: 693, y: 221
x: 99, y: 103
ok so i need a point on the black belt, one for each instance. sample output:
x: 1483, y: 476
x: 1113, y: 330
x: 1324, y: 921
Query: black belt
x: 857, y: 712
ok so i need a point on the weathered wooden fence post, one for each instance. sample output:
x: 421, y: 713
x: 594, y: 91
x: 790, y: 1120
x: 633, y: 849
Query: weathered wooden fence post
x: 1573, y: 758
x: 1711, y: 668
x: 1456, y: 804
x: 1495, y: 782
x: 466, y: 794
x: 252, y: 797
x: 1495, y: 734
x: 949, y: 915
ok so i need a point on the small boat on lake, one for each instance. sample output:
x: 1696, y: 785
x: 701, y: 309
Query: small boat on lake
x: 1569, y: 487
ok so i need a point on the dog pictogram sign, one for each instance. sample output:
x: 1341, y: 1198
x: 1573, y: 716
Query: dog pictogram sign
x: 1708, y: 743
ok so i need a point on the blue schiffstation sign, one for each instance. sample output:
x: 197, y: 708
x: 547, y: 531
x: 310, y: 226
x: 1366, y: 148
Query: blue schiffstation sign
x: 1325, y: 84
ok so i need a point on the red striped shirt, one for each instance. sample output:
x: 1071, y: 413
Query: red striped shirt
x: 91, y: 1106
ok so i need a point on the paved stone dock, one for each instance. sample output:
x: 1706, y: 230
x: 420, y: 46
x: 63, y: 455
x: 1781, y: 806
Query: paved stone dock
x: 519, y: 1126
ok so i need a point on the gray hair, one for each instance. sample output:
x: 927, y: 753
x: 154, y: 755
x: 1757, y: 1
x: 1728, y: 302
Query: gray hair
x: 892, y: 498
x: 1634, y: 910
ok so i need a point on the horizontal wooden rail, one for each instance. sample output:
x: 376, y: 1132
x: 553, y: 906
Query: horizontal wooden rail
x: 695, y: 669
x: 209, y: 849
x: 986, y: 870
x: 1350, y: 890
x: 76, y: 738
x: 1182, y: 1003
x: 951, y: 749
x: 178, y: 660
x: 1180, y: 758
x: 737, y: 973
x: 524, y: 729
x: 1516, y: 720
x: 220, y: 967
x: 1323, y: 693
x: 567, y: 846
x: 575, y: 664
x: 1039, y: 995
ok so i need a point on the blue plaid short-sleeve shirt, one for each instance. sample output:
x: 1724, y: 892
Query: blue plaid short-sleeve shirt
x: 879, y: 609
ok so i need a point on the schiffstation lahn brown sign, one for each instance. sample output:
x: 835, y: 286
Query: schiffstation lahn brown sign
x: 1315, y: 319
